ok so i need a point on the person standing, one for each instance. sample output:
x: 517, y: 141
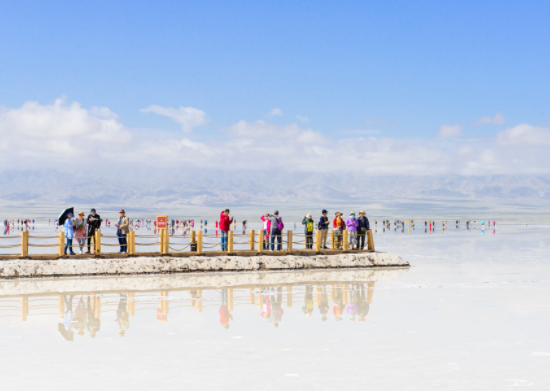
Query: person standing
x: 323, y: 227
x: 68, y: 228
x: 351, y: 226
x: 266, y: 230
x: 339, y: 226
x: 276, y: 230
x: 308, y: 231
x: 94, y: 223
x: 362, y: 229
x: 80, y: 228
x: 225, y: 227
x: 123, y: 227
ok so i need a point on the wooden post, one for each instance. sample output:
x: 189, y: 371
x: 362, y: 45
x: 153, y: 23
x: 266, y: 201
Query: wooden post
x: 131, y: 239
x: 199, y: 242
x: 193, y: 237
x: 289, y: 296
x: 370, y: 292
x: 24, y: 308
x: 370, y: 240
x: 61, y: 244
x: 199, y: 300
x: 131, y: 303
x: 317, y: 296
x: 97, y: 312
x: 230, y: 242
x: 318, y: 240
x: 25, y: 243
x: 61, y: 306
x: 230, y: 299
x: 98, y: 242
x: 252, y: 238
x: 345, y: 294
x: 166, y: 241
x: 332, y: 292
x: 289, y: 241
x: 251, y: 296
x: 260, y: 301
x: 161, y: 241
x: 260, y: 241
x: 332, y: 244
x: 346, y: 243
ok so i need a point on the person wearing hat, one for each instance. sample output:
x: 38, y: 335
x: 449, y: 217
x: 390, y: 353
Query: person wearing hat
x: 81, y: 230
x: 308, y: 231
x: 362, y: 229
x: 94, y: 223
x: 323, y: 227
x: 123, y: 228
x: 351, y: 226
x: 276, y: 230
x: 339, y: 226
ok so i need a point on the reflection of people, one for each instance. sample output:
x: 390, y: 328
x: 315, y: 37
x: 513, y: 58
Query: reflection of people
x: 338, y: 307
x: 276, y: 311
x: 362, y: 304
x: 123, y: 317
x: 80, y: 318
x: 94, y: 323
x: 323, y: 302
x: 224, y: 309
x: 351, y: 306
x: 308, y: 301
x: 68, y: 313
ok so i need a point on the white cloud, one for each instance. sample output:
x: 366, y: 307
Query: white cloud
x: 187, y: 117
x: 524, y: 135
x: 59, y: 130
x: 302, y: 118
x: 276, y: 111
x: 497, y: 119
x: 450, y: 130
x: 262, y: 129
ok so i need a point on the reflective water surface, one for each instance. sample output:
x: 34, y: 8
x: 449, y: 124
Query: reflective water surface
x: 471, y: 313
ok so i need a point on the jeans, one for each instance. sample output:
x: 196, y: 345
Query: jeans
x: 276, y: 235
x: 122, y: 241
x: 81, y: 243
x: 266, y: 241
x: 309, y: 241
x: 225, y: 235
x: 90, y: 237
x: 69, y: 246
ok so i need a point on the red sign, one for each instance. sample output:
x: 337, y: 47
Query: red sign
x: 161, y: 316
x: 162, y: 222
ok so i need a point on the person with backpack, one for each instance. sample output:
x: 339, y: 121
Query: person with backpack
x: 323, y: 227
x: 308, y: 231
x: 277, y: 227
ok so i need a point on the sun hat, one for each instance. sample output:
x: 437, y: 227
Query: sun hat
x: 81, y: 213
x: 308, y: 215
x: 122, y: 211
x: 362, y: 212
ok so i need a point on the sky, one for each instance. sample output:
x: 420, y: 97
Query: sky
x: 381, y: 88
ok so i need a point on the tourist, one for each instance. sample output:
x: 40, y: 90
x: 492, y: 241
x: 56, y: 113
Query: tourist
x: 81, y: 230
x: 339, y: 226
x: 276, y: 230
x: 225, y: 315
x: 323, y: 227
x: 225, y: 227
x: 123, y: 228
x: 362, y: 228
x: 68, y: 228
x: 266, y: 230
x: 123, y: 317
x: 308, y: 231
x: 94, y: 223
x: 351, y: 226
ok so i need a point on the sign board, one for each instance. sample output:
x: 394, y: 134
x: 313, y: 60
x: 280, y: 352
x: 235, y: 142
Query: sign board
x: 161, y: 316
x: 162, y: 222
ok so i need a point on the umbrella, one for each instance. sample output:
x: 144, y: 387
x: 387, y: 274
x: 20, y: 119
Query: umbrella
x: 68, y: 335
x: 63, y: 216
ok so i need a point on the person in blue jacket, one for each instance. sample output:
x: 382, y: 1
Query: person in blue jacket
x: 362, y: 228
x: 68, y: 228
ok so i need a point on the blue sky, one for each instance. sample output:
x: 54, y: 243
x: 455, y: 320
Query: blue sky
x: 411, y: 66
x: 386, y: 87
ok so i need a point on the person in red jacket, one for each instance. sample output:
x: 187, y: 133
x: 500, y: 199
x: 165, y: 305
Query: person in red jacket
x: 225, y: 226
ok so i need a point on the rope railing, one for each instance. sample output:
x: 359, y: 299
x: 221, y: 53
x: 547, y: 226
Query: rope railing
x: 196, y: 241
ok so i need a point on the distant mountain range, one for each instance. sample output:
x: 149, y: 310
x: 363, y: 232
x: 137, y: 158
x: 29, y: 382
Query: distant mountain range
x: 250, y: 190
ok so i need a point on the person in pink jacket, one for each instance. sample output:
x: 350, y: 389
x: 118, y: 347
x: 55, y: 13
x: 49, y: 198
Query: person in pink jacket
x: 266, y: 229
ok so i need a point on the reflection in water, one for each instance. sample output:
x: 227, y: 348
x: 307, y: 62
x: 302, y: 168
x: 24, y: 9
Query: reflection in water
x: 82, y: 313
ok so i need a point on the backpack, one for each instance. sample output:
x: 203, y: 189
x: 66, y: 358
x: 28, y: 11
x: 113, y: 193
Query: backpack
x: 280, y: 226
x: 309, y: 226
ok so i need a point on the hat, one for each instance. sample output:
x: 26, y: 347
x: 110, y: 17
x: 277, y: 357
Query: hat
x: 81, y: 213
x: 324, y: 211
x: 308, y: 215
x: 352, y: 213
x: 122, y: 211
x: 93, y: 210
x: 362, y: 212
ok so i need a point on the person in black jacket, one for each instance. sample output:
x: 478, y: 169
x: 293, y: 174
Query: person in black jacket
x: 94, y: 223
x: 362, y: 229
x: 324, y: 226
